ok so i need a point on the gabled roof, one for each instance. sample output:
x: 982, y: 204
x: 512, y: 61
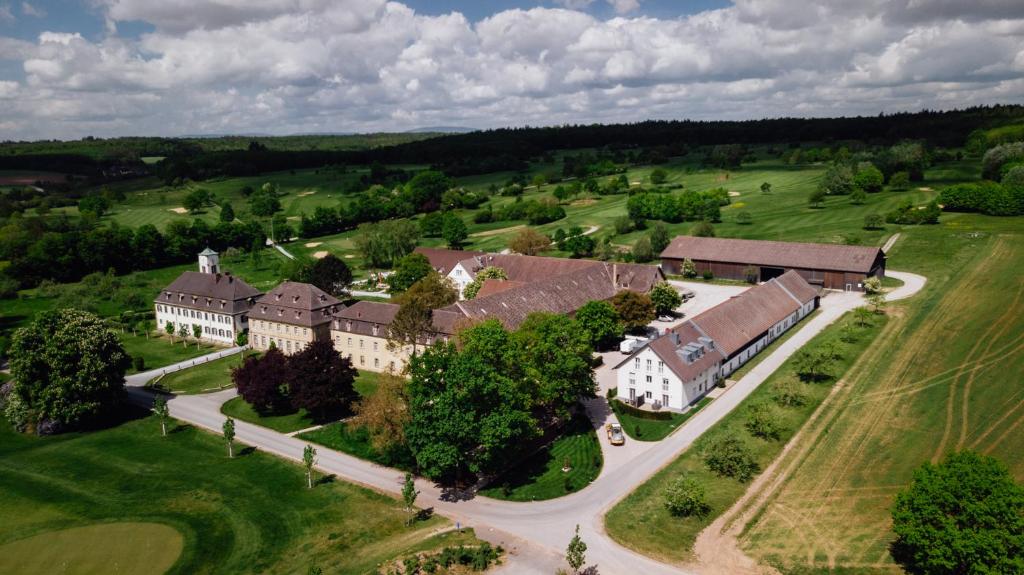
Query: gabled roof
x: 734, y: 323
x: 220, y: 293
x: 360, y: 317
x: 444, y: 260
x: 521, y: 268
x: 777, y: 254
x: 493, y: 286
x: 296, y: 304
x: 207, y: 252
x: 668, y: 348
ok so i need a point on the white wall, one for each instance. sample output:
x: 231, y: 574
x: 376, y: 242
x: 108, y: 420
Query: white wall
x: 756, y: 346
x: 217, y: 327
x: 460, y: 277
x: 634, y: 375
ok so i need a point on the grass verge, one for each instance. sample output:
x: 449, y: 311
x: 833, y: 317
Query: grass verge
x: 249, y: 514
x: 641, y: 522
x: 642, y: 429
x: 205, y: 377
x: 540, y: 475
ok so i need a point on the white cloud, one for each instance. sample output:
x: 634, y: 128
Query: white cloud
x: 624, y: 6
x: 33, y: 11
x: 316, y: 65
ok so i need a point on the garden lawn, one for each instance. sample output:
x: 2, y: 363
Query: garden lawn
x: 284, y: 422
x: 205, y: 377
x: 641, y: 522
x: 249, y: 514
x: 643, y: 429
x: 355, y: 441
x: 540, y: 475
x: 158, y: 351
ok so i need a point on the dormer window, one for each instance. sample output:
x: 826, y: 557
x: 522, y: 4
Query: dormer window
x: 375, y: 329
x: 263, y: 309
x: 348, y: 325
x: 298, y: 314
x: 277, y: 297
x: 295, y: 299
x: 280, y: 312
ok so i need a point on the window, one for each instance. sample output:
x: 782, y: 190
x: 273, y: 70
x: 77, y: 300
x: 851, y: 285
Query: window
x: 374, y: 346
x: 648, y: 379
x: 636, y: 363
x: 391, y: 365
x: 360, y: 343
x: 661, y: 366
x: 664, y: 384
x: 303, y: 331
x: 632, y: 380
x: 664, y: 399
x: 362, y: 360
x: 350, y: 342
x: 648, y: 395
x: 649, y: 365
x: 376, y: 362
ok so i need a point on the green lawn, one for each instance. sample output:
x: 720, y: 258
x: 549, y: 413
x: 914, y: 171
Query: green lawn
x: 210, y: 376
x: 540, y: 476
x: 642, y: 429
x: 641, y: 522
x: 159, y: 351
x: 128, y: 486
x: 355, y: 441
x: 285, y: 422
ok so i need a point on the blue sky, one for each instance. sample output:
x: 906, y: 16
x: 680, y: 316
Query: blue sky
x: 70, y: 68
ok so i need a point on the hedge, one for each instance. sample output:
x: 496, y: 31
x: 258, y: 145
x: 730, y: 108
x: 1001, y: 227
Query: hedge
x: 640, y: 413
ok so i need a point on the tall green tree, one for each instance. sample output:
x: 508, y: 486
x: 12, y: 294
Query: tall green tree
x: 409, y: 493
x: 329, y: 273
x: 414, y: 321
x: 410, y: 269
x: 665, y: 298
x: 660, y: 238
x: 383, y: 243
x: 600, y: 322
x: 555, y: 355
x: 454, y: 231
x: 67, y: 368
x: 488, y: 273
x: 227, y: 212
x: 964, y: 515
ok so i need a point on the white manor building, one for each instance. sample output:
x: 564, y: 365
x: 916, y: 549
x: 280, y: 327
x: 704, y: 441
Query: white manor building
x: 680, y: 367
x: 217, y: 302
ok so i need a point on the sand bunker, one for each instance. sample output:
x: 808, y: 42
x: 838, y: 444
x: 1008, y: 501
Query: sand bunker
x: 349, y: 256
x: 926, y: 190
x: 309, y: 193
x: 734, y: 194
x: 178, y: 210
x: 321, y: 254
x: 583, y: 202
x: 313, y: 244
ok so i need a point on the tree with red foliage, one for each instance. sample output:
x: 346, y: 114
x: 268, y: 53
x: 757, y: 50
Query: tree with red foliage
x: 321, y: 380
x: 261, y: 381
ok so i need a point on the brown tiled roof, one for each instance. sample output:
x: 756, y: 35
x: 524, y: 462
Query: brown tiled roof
x: 526, y: 268
x: 220, y: 293
x: 669, y: 346
x: 635, y: 277
x: 360, y: 318
x: 778, y: 254
x: 296, y: 303
x: 737, y: 321
x: 444, y: 260
x: 797, y: 285
x: 493, y: 286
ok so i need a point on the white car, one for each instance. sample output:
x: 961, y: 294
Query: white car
x: 615, y: 435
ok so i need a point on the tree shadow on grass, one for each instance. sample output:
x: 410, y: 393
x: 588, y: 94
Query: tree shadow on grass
x: 181, y: 427
x: 326, y: 479
x: 247, y: 450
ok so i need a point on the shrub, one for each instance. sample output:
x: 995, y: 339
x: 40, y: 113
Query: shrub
x: 899, y: 181
x: 703, y: 230
x: 750, y: 274
x: 872, y: 285
x: 707, y: 275
x: 620, y: 407
x: 729, y: 456
x: 788, y: 393
x: 689, y: 269
x: 763, y: 421
x: 139, y: 363
x: 684, y: 497
x: 874, y: 222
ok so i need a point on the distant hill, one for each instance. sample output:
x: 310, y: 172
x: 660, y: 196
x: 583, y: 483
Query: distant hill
x: 441, y: 130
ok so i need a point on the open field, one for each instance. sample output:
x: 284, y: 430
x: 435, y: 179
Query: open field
x: 943, y: 376
x: 210, y: 376
x: 640, y: 520
x: 541, y: 476
x: 159, y: 351
x: 249, y: 514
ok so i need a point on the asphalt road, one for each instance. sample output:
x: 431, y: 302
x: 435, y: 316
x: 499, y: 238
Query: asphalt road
x: 539, y: 531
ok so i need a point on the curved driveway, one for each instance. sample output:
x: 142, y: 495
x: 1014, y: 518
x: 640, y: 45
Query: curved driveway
x: 538, y: 531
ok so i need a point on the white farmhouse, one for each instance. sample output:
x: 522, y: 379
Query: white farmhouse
x: 680, y: 367
x: 217, y: 302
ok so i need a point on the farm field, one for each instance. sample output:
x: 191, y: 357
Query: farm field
x: 943, y: 376
x: 179, y: 501
x: 641, y: 522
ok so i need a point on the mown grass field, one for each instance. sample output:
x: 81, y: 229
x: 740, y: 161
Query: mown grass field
x: 158, y: 350
x: 943, y: 376
x: 643, y: 429
x: 250, y: 514
x: 204, y: 377
x: 641, y: 521
x: 540, y: 476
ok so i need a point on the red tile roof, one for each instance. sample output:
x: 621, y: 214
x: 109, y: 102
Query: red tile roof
x: 220, y: 293
x: 296, y: 304
x: 444, y: 260
x: 778, y: 254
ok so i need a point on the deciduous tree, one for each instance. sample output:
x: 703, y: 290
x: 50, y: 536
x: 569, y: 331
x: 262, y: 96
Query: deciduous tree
x: 635, y: 310
x: 660, y: 238
x: 321, y: 380
x: 728, y: 456
x: 529, y: 242
x: 67, y: 369
x: 409, y: 493
x: 308, y: 461
x: 964, y: 515
x: 555, y: 356
x: 410, y: 269
x: 261, y: 381
x: 161, y: 411
x: 454, y: 231
x: 685, y: 497
x: 488, y: 273
x: 665, y: 298
x: 385, y: 412
x: 329, y: 273
x: 600, y: 322
x: 229, y: 435
x: 576, y: 552
x: 414, y: 321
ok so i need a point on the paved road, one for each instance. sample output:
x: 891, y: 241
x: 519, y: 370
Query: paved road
x: 539, y: 531
x: 144, y: 377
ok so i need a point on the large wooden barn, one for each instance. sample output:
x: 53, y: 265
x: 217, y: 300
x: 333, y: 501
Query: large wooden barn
x: 827, y: 265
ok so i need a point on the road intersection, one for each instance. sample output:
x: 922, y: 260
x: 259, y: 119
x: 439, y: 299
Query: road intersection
x: 536, y: 531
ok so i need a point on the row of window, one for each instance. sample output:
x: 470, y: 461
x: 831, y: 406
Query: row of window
x: 376, y: 361
x: 274, y: 326
x: 650, y: 364
x: 210, y: 331
x: 191, y: 313
x: 285, y: 345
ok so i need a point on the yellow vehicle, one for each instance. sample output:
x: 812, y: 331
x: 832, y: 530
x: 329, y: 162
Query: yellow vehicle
x: 615, y: 435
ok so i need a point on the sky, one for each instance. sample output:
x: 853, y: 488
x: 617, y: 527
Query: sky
x: 74, y: 68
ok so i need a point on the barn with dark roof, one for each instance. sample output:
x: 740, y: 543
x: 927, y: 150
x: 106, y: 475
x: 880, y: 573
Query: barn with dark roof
x: 831, y: 266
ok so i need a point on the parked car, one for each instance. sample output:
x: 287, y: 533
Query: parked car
x: 666, y: 317
x: 615, y: 435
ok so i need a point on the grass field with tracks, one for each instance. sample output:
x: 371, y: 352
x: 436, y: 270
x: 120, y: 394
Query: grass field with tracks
x: 179, y: 501
x: 944, y: 375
